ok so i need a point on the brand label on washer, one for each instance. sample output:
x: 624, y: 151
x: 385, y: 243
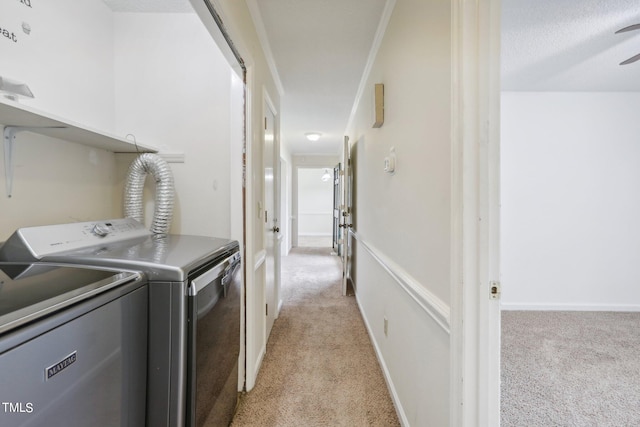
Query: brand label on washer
x: 61, y: 365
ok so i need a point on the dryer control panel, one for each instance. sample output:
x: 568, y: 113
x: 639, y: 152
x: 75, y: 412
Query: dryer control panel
x: 34, y: 243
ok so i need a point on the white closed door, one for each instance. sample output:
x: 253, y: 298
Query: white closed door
x: 345, y: 216
x: 271, y: 223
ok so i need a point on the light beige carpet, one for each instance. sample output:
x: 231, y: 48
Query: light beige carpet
x: 320, y: 368
x: 570, y: 368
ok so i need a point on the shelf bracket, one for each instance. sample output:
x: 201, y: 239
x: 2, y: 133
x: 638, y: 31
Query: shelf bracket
x: 10, y: 133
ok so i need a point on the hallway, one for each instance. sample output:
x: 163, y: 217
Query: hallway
x: 320, y: 367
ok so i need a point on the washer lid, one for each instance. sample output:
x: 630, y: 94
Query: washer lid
x: 162, y: 257
x: 30, y: 291
x: 117, y: 243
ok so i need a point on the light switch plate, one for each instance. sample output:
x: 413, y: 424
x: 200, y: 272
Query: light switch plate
x: 390, y: 161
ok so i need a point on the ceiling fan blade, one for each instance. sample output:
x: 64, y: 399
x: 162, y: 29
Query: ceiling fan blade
x: 630, y: 60
x: 629, y: 28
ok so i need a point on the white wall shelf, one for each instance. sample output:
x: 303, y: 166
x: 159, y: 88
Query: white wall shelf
x: 18, y: 118
x: 19, y: 115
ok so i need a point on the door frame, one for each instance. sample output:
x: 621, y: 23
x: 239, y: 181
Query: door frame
x: 285, y: 212
x: 305, y: 162
x: 345, y: 218
x: 337, y: 198
x: 475, y: 317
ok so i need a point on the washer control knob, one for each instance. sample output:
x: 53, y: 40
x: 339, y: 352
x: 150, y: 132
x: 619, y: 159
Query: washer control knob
x: 100, y: 230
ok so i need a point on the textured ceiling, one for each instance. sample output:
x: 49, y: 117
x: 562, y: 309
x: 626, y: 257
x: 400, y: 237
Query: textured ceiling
x: 320, y: 49
x: 569, y: 45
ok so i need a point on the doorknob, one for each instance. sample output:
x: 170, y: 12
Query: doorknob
x: 276, y: 229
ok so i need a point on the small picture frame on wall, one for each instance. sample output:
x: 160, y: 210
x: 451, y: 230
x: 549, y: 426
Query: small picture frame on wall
x: 378, y: 105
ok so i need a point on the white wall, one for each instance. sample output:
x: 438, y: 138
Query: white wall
x: 570, y: 201
x: 159, y: 77
x: 173, y: 91
x: 315, y: 203
x: 67, y: 61
x: 402, y: 222
x: 56, y: 182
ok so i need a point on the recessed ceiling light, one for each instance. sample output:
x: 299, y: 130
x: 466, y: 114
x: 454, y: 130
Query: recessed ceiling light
x: 312, y: 136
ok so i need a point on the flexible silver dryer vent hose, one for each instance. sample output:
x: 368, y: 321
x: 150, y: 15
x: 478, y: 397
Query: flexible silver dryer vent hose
x: 156, y: 166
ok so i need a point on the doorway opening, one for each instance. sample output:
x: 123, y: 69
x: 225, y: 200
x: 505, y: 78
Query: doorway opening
x: 569, y: 209
x: 315, y: 207
x: 313, y: 203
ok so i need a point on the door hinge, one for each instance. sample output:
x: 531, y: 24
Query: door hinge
x: 494, y: 290
x: 266, y: 309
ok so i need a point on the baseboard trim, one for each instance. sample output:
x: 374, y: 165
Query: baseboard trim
x: 434, y: 306
x: 385, y: 371
x: 256, y: 368
x: 259, y: 258
x: 569, y: 307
